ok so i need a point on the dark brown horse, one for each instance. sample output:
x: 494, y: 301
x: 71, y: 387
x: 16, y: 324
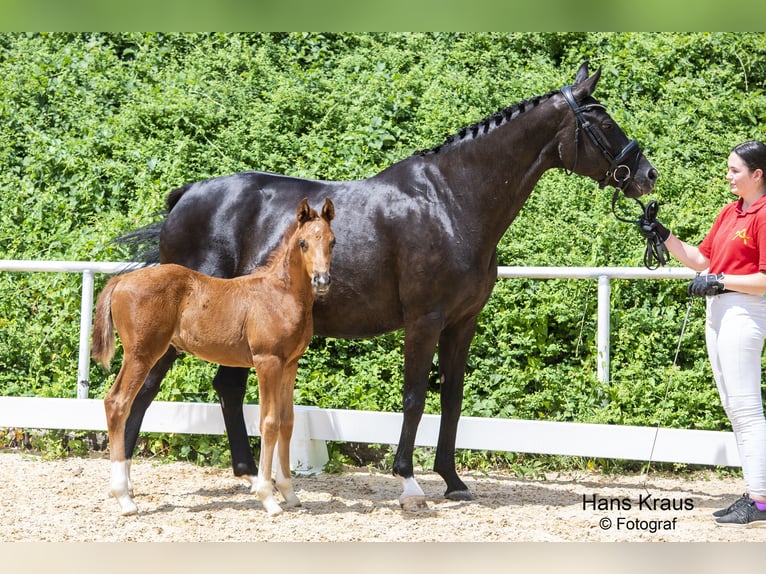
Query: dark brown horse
x: 261, y: 320
x: 416, y: 248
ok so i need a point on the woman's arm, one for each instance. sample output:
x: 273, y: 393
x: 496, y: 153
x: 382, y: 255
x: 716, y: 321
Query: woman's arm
x: 687, y: 254
x: 754, y: 284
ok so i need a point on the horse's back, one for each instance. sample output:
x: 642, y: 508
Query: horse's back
x: 162, y: 287
x: 228, y: 225
x: 390, y: 228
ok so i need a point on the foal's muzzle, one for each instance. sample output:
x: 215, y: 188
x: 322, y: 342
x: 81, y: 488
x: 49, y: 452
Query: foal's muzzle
x: 321, y: 283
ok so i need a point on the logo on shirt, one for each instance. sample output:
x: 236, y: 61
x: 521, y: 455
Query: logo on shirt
x: 741, y: 234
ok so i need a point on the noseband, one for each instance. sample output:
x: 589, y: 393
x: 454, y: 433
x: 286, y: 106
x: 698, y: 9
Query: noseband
x: 656, y: 253
x: 618, y: 174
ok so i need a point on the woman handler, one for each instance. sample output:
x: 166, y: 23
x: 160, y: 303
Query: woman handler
x: 733, y: 254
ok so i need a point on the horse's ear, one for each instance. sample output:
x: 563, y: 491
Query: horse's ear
x: 328, y: 210
x: 582, y: 73
x: 305, y: 213
x: 584, y: 86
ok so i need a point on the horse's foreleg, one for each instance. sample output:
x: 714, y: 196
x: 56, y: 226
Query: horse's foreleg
x: 117, y: 405
x: 284, y: 480
x: 453, y: 354
x: 231, y: 383
x: 269, y: 378
x: 420, y: 339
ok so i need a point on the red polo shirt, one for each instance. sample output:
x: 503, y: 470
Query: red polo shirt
x: 736, y: 244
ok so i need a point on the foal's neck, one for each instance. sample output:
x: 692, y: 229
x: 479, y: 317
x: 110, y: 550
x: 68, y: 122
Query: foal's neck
x: 289, y: 268
x: 294, y: 264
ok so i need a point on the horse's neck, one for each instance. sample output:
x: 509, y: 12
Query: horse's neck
x: 491, y: 175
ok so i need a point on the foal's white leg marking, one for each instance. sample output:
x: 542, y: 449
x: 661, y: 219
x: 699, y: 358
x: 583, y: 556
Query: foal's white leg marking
x: 412, y: 496
x: 253, y: 480
x: 130, y: 482
x: 265, y: 493
x: 119, y: 487
x: 262, y: 487
x: 285, y: 486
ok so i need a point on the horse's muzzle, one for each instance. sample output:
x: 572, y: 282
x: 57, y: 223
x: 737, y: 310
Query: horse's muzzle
x: 321, y: 283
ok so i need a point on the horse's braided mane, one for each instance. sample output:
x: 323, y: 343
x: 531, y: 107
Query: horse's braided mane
x: 495, y: 120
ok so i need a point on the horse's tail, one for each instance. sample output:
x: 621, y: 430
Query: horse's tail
x: 143, y: 244
x: 102, y: 348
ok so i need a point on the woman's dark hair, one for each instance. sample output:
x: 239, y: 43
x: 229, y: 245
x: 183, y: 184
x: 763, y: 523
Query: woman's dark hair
x: 753, y: 154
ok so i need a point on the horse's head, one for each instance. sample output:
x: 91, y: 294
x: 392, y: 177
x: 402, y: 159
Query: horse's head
x: 316, y: 241
x: 603, y: 152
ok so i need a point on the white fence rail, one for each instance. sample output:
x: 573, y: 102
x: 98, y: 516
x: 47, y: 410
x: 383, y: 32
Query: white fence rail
x: 314, y: 426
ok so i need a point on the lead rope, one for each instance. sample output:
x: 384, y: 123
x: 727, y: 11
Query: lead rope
x: 647, y: 467
x: 655, y: 254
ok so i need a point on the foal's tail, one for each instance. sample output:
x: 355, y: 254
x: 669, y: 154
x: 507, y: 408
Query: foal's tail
x: 102, y: 348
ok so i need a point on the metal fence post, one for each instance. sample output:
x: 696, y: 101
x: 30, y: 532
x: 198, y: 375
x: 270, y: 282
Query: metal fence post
x: 86, y: 315
x: 604, y: 296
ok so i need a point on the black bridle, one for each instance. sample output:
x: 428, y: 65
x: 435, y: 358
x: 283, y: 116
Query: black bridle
x: 618, y: 174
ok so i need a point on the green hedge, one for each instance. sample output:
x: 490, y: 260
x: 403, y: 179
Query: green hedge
x: 95, y: 129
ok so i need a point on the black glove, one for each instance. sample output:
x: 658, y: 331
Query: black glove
x: 651, y: 229
x: 704, y: 285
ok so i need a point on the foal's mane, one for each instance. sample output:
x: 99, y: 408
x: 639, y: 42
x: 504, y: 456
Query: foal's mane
x: 495, y: 120
x: 279, y: 251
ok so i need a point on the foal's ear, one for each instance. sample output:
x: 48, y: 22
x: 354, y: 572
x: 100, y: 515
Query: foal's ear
x: 328, y: 210
x: 305, y: 213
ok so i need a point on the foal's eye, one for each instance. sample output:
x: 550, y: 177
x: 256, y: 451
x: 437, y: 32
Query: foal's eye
x: 303, y: 244
x: 332, y: 243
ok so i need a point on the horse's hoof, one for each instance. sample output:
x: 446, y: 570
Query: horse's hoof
x: 293, y: 503
x: 413, y: 503
x: 128, y: 508
x: 272, y: 507
x: 463, y: 495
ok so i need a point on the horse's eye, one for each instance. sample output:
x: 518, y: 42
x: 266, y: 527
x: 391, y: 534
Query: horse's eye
x: 607, y: 126
x: 303, y: 244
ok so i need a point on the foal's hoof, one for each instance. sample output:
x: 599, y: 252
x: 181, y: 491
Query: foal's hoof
x: 413, y: 503
x: 293, y: 503
x: 463, y: 495
x: 273, y: 512
x: 127, y: 506
x: 271, y: 507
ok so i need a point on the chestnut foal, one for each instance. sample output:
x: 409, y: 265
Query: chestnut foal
x: 262, y: 320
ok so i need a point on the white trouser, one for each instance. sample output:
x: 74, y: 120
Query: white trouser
x: 734, y: 331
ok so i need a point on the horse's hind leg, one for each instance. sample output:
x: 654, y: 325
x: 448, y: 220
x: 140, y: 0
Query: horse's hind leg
x: 142, y: 401
x: 117, y: 405
x: 284, y: 480
x: 230, y: 383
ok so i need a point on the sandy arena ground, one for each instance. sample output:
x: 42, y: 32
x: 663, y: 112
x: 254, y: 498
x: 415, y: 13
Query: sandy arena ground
x: 66, y: 500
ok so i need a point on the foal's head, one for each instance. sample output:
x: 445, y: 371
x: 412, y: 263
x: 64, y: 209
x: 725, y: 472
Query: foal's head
x: 316, y: 241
